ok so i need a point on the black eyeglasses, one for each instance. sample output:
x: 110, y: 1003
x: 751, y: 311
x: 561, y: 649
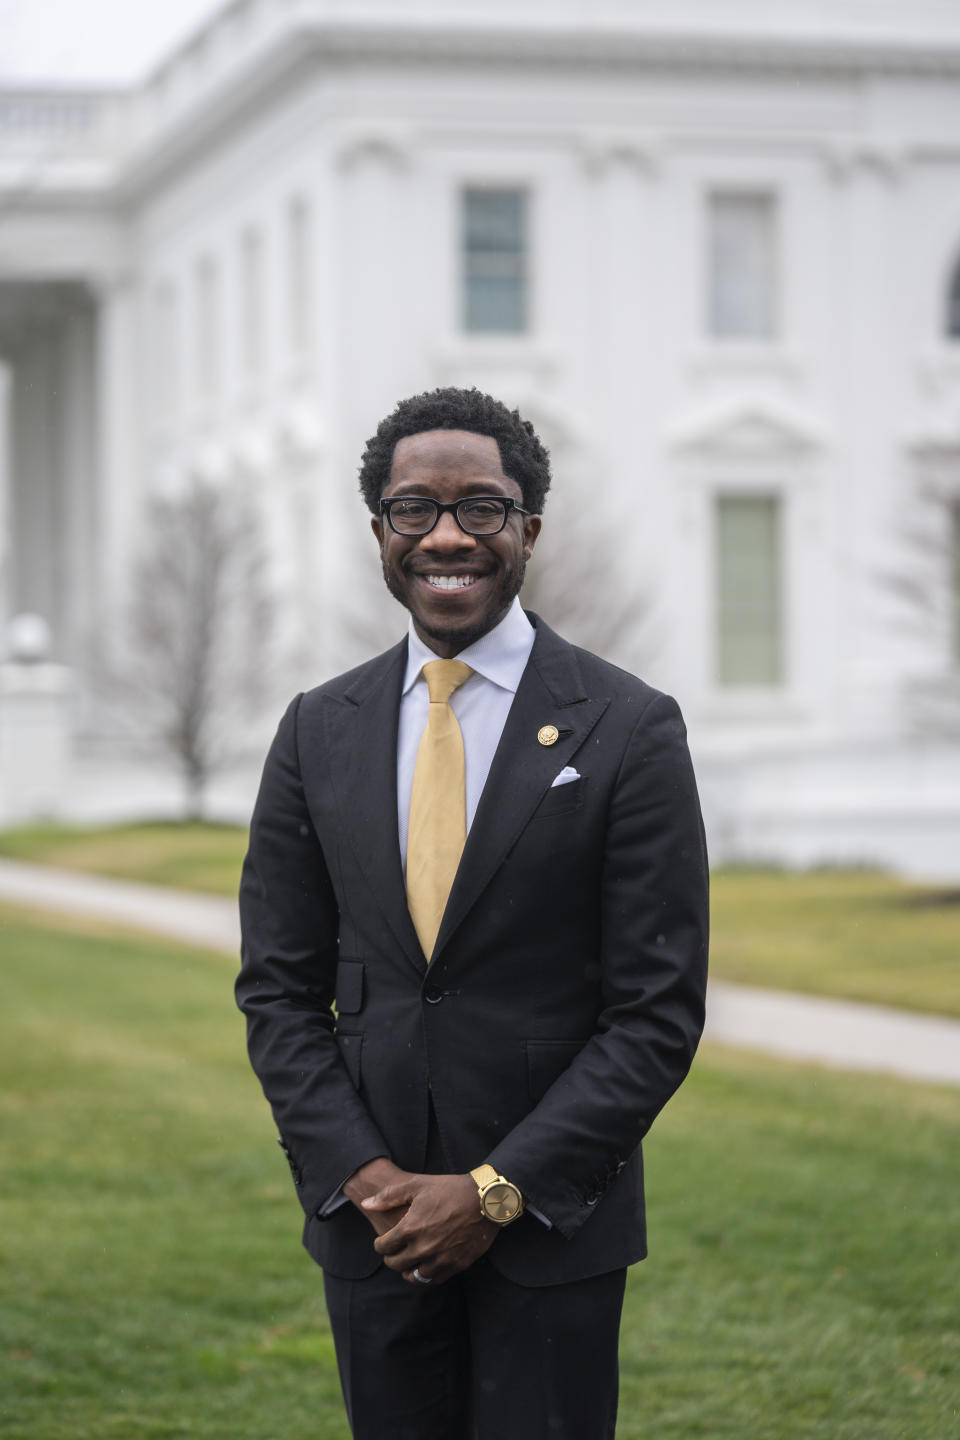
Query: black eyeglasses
x: 477, y: 515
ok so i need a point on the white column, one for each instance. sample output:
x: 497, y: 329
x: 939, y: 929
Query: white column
x: 864, y: 380
x: 120, y: 481
x: 76, y: 489
x: 5, y: 509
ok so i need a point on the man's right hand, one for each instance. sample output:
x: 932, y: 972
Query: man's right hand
x: 369, y: 1180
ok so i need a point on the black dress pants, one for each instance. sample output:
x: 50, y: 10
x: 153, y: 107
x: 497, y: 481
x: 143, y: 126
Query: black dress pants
x: 477, y: 1358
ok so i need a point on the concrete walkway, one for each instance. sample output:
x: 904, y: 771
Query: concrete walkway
x: 205, y: 920
x: 838, y: 1033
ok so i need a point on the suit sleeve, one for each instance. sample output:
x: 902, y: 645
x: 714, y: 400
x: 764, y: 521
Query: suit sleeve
x: 654, y: 924
x: 289, y: 925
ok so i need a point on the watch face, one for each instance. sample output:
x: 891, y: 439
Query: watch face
x: 501, y: 1202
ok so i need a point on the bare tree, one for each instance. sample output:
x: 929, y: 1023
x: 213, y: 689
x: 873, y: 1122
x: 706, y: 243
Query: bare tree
x: 923, y: 585
x: 582, y: 586
x: 194, y: 672
x: 368, y: 619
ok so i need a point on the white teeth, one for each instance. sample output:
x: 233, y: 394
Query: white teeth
x: 449, y: 582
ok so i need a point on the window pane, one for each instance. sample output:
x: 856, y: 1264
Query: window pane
x: 749, y: 641
x: 742, y: 266
x: 495, y: 260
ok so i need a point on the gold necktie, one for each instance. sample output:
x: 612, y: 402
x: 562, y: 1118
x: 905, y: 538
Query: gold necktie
x: 438, y: 805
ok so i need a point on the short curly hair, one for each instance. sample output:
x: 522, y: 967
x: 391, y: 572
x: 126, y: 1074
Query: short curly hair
x: 522, y: 454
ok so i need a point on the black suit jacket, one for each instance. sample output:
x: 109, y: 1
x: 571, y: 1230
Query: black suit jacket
x: 565, y: 999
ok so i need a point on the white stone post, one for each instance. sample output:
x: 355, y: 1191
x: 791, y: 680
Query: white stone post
x: 34, y: 726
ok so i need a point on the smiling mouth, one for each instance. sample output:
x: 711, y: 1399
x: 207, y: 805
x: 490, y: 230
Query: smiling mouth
x: 450, y: 582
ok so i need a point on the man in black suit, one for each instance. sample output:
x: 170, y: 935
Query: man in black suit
x: 464, y: 1040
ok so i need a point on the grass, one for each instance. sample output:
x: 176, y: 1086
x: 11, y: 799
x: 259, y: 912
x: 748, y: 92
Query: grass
x: 154, y: 1284
x: 858, y: 935
x: 802, y: 1280
x: 185, y: 855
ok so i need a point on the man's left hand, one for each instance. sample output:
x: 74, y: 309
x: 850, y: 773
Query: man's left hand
x: 442, y: 1232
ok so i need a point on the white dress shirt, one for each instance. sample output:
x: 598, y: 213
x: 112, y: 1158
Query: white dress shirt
x: 481, y: 705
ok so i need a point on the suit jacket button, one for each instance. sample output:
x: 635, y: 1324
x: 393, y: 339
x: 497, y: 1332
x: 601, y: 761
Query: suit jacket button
x: 433, y: 995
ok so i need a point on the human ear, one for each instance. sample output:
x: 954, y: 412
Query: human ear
x: 376, y: 525
x: 531, y: 529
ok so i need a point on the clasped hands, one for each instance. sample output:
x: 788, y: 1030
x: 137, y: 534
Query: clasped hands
x: 427, y: 1222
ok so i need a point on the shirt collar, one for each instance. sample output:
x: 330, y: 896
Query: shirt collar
x: 500, y: 656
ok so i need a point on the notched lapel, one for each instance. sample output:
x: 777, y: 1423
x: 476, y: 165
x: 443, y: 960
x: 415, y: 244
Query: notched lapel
x: 362, y: 739
x: 523, y: 769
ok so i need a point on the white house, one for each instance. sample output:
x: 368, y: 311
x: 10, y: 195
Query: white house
x: 712, y: 249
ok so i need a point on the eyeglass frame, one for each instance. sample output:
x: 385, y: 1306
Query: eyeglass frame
x: 510, y: 506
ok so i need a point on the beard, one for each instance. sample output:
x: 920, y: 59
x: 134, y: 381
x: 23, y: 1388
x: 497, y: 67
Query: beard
x: 455, y: 636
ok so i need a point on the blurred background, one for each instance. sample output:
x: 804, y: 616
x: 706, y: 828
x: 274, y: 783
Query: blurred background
x: 711, y: 250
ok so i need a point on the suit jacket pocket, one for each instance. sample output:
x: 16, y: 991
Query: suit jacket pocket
x: 547, y: 1060
x: 561, y: 800
x: 349, y: 993
x: 351, y: 1043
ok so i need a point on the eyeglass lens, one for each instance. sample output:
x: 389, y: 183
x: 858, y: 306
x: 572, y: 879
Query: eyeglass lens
x: 477, y: 517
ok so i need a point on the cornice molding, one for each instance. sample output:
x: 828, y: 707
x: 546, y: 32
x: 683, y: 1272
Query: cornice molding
x: 746, y: 428
x: 229, y: 69
x: 393, y: 145
x: 847, y: 156
x: 622, y: 46
x: 601, y: 150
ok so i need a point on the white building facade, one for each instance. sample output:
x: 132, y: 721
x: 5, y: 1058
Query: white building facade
x: 715, y: 258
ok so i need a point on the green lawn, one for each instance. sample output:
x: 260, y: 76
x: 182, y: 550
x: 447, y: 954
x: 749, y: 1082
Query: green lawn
x: 860, y: 935
x: 856, y: 934
x: 803, y: 1229
x: 182, y: 854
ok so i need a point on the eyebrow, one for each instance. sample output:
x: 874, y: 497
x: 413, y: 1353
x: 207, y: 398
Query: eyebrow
x: 472, y: 487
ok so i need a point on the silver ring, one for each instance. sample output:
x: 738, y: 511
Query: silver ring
x: 423, y: 1279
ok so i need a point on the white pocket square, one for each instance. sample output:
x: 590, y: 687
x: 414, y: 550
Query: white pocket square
x: 566, y: 775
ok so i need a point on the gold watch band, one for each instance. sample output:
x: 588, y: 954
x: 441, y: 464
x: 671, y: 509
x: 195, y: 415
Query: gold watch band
x: 484, y: 1175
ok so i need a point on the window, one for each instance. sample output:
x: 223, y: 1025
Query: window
x: 207, y: 327
x: 495, y: 299
x: 299, y: 278
x: 742, y: 266
x: 748, y: 598
x: 251, y: 273
x: 953, y: 304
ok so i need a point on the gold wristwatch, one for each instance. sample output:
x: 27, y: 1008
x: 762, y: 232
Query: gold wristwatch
x: 500, y: 1200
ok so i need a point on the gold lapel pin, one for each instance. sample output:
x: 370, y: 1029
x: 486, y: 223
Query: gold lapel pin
x: 548, y: 734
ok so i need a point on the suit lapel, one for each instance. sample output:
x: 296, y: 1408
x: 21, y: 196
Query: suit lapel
x: 550, y: 693
x: 362, y: 739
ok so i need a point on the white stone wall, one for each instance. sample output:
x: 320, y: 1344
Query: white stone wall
x: 849, y: 116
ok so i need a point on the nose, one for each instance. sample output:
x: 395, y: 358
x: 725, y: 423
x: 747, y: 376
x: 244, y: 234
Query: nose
x: 447, y: 536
